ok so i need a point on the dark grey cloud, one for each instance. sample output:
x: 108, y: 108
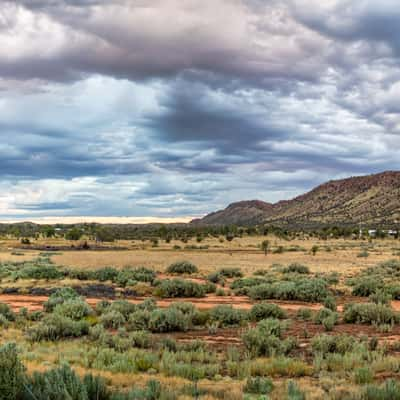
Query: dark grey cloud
x: 171, y: 108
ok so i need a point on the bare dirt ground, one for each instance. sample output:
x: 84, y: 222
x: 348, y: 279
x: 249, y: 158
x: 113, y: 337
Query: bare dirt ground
x: 32, y: 302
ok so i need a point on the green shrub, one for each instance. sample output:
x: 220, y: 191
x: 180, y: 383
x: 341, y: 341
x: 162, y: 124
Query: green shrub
x: 381, y: 297
x: 293, y: 391
x: 330, y: 302
x: 75, y: 309
x: 231, y: 272
x: 227, y: 315
x: 366, y: 286
x: 324, y: 313
x: 6, y: 312
x: 310, y: 290
x: 180, y: 288
x: 105, y: 274
x: 304, y: 313
x: 168, y: 320
x: 55, y: 327
x: 296, y: 268
x: 369, y: 313
x: 258, y: 385
x: 129, y: 276
x: 59, y: 297
x: 363, y: 375
x: 112, y: 319
x: 11, y: 372
x: 390, y: 390
x: 139, y: 320
x: 124, y: 307
x: 58, y: 383
x: 182, y: 267
x: 327, y: 344
x: 266, y: 310
x: 265, y: 339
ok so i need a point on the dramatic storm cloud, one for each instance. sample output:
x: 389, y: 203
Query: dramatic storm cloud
x: 173, y: 108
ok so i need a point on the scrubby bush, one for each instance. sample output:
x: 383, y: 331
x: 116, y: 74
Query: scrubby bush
x: 390, y: 390
x: 231, y: 272
x: 227, y: 315
x: 381, y: 297
x: 59, y: 297
x: 56, y: 327
x: 326, y: 344
x: 325, y: 313
x: 124, y: 307
x: 330, y: 303
x: 75, y: 309
x: 129, y: 276
x: 293, y: 391
x: 266, y: 339
x: 180, y: 288
x: 6, y: 312
x: 304, y: 313
x: 243, y: 285
x: 182, y: 267
x: 112, y: 319
x: 11, y: 372
x: 258, y: 385
x: 366, y: 286
x: 310, y: 290
x: 168, y: 320
x: 296, y: 268
x: 363, y: 375
x: 266, y: 310
x: 105, y: 274
x: 369, y: 313
x: 139, y: 320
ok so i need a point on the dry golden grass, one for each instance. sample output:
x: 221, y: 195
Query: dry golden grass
x: 242, y: 253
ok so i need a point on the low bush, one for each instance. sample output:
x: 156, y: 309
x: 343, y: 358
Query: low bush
x: 310, y: 290
x: 265, y: 339
x: 130, y: 276
x: 6, y: 312
x: 11, y: 372
x: 325, y: 313
x: 75, y: 309
x: 56, y: 327
x: 227, y: 315
x: 366, y: 286
x: 231, y: 272
x: 258, y: 385
x: 59, y: 297
x: 180, y: 288
x: 327, y: 344
x: 390, y: 390
x: 304, y: 313
x: 266, y: 310
x: 296, y: 268
x: 112, y: 319
x: 369, y: 313
x: 182, y: 267
x: 169, y: 320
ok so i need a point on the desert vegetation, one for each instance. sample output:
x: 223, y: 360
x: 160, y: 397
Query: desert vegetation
x: 169, y: 326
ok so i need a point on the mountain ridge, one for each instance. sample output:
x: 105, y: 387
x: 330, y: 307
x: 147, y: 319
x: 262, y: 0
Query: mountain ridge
x: 369, y: 199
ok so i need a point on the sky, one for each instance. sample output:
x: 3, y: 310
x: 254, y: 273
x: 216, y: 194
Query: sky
x: 175, y: 108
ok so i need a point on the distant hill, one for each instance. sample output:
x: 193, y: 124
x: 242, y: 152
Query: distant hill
x: 373, y: 200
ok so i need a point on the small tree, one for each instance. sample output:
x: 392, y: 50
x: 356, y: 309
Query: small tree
x: 265, y: 246
x: 314, y: 250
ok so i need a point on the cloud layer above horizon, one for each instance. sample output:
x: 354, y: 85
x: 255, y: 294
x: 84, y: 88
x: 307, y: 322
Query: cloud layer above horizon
x: 172, y: 108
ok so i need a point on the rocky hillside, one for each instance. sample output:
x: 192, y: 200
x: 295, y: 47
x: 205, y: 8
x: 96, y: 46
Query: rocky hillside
x: 372, y: 200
